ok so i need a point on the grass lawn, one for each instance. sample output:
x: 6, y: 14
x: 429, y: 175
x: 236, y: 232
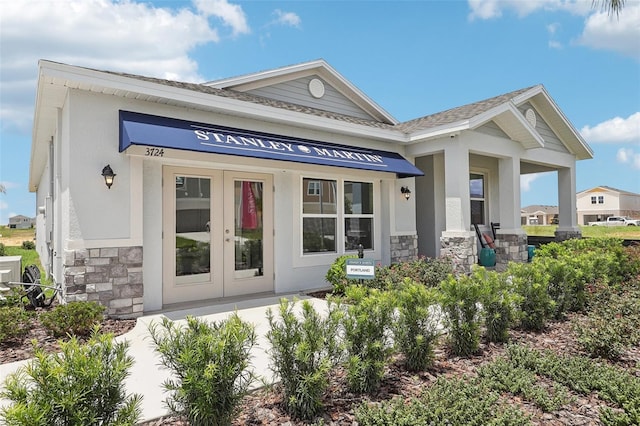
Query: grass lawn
x: 624, y: 232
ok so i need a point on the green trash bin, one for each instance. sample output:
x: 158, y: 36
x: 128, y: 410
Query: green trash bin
x: 530, y: 252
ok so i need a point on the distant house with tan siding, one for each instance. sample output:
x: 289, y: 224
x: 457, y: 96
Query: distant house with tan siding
x: 539, y: 215
x: 597, y: 204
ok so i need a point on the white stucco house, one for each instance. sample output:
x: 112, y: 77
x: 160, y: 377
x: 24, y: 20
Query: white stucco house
x: 21, y: 222
x: 597, y: 204
x: 255, y: 184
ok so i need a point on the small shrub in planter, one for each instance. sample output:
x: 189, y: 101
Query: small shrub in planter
x: 460, y: 299
x: 82, y: 385
x: 303, y: 352
x: 367, y: 337
x: 209, y: 364
x: 74, y: 318
x: 416, y: 330
x: 15, y: 323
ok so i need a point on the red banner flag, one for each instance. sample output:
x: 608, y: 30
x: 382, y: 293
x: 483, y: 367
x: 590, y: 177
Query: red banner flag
x: 249, y: 212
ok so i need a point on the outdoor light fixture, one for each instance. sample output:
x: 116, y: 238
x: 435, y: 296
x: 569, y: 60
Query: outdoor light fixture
x: 108, y: 175
x: 406, y: 192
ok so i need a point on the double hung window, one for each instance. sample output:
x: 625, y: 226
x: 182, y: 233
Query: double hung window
x: 337, y: 215
x: 477, y: 193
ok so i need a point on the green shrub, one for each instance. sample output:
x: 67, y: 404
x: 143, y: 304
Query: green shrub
x: 15, y: 323
x: 426, y: 271
x: 417, y: 328
x: 498, y: 303
x: 459, y: 300
x: 209, y: 363
x: 13, y: 297
x: 3, y: 250
x: 28, y: 245
x: 75, y: 318
x: 502, y: 376
x: 337, y: 274
x: 613, y: 323
x: 303, y: 352
x: 82, y: 385
x: 584, y: 375
x: 367, y: 324
x: 531, y: 284
x: 447, y: 402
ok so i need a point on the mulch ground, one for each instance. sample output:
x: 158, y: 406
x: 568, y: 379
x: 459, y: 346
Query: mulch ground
x: 265, y: 407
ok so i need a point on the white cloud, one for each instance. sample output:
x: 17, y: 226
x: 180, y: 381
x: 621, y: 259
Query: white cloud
x: 3, y: 205
x: 629, y: 156
x: 488, y: 9
x: 527, y: 180
x: 116, y: 35
x: 553, y: 28
x: 231, y: 14
x: 615, y: 130
x: 287, y: 18
x: 555, y: 44
x: 620, y: 34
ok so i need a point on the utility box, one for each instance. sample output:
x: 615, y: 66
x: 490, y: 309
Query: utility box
x: 10, y: 269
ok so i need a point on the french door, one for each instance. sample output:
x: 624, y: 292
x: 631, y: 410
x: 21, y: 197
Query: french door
x: 217, y: 234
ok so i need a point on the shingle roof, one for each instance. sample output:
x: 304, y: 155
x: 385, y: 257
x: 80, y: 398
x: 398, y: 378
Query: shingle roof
x: 540, y: 208
x: 460, y: 113
x: 441, y: 118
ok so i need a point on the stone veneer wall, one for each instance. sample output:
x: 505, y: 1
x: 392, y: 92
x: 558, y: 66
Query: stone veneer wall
x: 510, y: 248
x: 111, y: 276
x: 404, y: 248
x: 461, y: 249
x: 562, y: 235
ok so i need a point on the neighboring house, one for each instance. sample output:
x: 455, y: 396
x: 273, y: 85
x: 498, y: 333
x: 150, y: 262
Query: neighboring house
x: 255, y: 184
x: 539, y: 215
x: 597, y: 204
x: 21, y: 222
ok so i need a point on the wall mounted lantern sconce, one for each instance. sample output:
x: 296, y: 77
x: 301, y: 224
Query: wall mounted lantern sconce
x: 108, y: 175
x: 406, y: 192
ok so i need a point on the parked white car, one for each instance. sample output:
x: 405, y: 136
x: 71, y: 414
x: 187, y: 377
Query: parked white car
x: 617, y: 221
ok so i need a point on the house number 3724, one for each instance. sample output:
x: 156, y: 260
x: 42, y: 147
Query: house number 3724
x: 154, y: 152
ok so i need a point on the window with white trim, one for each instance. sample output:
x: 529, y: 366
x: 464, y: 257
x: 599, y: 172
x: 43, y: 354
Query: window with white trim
x: 358, y: 215
x: 600, y: 199
x: 593, y: 200
x: 477, y: 194
x: 319, y: 215
x: 335, y: 213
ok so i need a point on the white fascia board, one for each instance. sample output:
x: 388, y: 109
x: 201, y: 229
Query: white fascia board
x: 509, y: 107
x: 222, y: 104
x: 268, y: 74
x: 436, y: 132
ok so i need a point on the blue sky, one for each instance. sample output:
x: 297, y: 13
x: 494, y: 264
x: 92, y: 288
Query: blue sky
x: 413, y: 58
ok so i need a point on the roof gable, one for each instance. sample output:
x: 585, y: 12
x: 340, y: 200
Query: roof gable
x: 504, y: 111
x: 313, y: 84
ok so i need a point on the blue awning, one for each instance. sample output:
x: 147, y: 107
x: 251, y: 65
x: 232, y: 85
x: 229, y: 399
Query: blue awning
x: 162, y: 132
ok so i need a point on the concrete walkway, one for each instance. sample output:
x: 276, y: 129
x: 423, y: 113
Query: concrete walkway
x: 147, y: 373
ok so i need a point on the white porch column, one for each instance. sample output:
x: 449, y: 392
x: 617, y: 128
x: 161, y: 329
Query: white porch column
x: 567, y: 208
x: 509, y: 196
x: 456, y: 188
x: 511, y: 243
x: 457, y: 242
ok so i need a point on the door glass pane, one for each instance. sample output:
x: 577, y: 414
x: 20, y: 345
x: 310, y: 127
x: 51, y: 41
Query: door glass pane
x: 193, y: 222
x: 248, y: 229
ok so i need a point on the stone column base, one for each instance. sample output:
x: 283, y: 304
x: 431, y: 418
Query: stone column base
x: 404, y: 248
x: 461, y: 249
x: 510, y: 248
x: 111, y: 276
x: 563, y: 234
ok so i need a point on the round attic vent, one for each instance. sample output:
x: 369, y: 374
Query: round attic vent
x: 530, y: 115
x: 316, y: 88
